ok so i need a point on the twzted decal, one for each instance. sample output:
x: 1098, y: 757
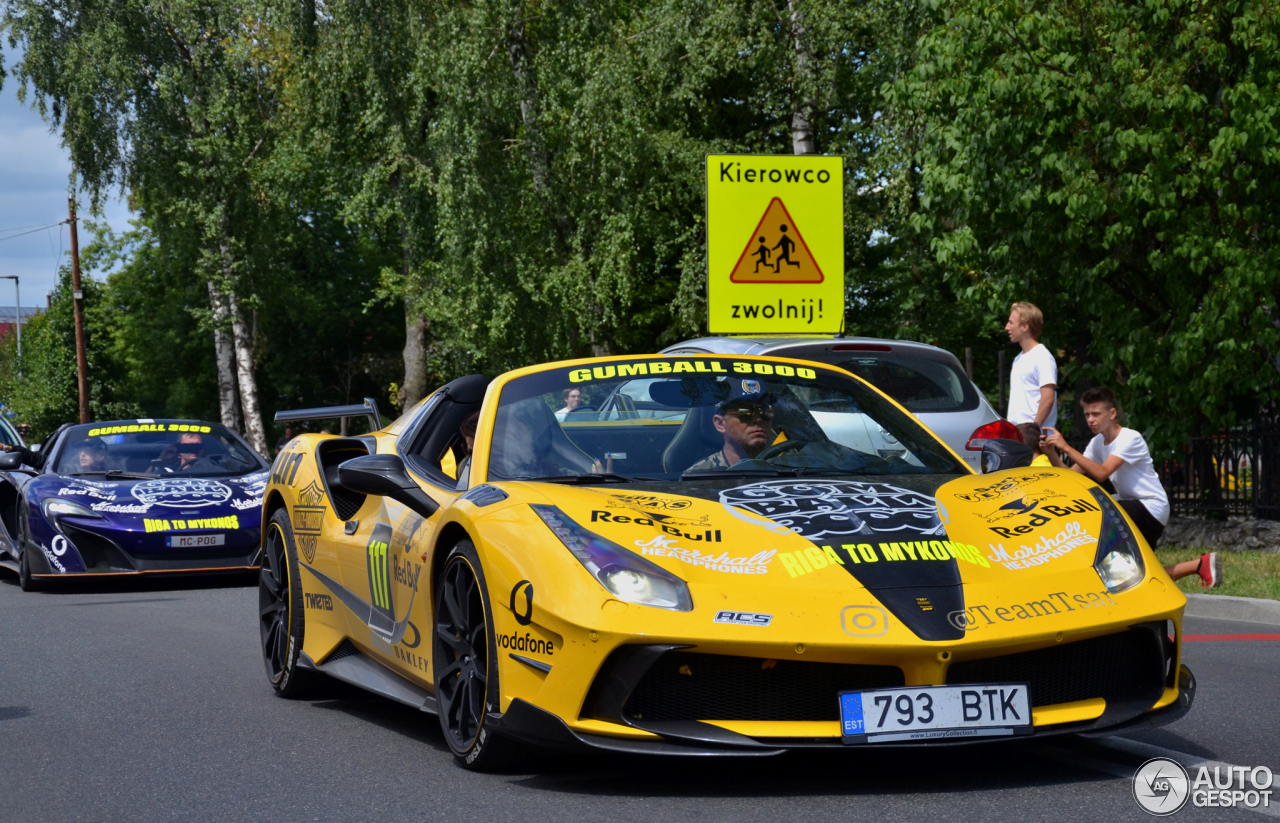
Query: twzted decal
x: 384, y: 568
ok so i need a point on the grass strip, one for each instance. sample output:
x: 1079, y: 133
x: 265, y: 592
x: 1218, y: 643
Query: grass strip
x: 1244, y: 574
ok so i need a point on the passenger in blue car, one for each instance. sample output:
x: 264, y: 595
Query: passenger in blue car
x: 93, y: 456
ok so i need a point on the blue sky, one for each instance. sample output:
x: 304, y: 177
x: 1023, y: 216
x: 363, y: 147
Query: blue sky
x: 34, y: 170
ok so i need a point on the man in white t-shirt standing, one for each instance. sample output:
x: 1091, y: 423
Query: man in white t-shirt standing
x: 1033, y: 383
x: 1121, y: 455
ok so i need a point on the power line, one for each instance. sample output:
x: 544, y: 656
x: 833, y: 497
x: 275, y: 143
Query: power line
x: 32, y: 231
x: 32, y: 226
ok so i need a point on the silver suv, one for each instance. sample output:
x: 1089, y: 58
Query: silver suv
x: 927, y: 380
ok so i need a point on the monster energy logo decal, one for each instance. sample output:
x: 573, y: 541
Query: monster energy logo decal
x: 379, y: 576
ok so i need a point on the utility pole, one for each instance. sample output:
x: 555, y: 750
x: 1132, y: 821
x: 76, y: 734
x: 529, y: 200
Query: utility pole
x: 17, y: 315
x: 82, y: 366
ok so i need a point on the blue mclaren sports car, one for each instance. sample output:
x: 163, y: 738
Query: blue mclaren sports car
x: 131, y: 497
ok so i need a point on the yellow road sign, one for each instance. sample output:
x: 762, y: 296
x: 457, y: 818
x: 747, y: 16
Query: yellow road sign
x: 775, y: 244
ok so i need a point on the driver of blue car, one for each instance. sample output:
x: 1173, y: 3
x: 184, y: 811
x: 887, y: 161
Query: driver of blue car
x: 745, y: 420
x: 186, y: 455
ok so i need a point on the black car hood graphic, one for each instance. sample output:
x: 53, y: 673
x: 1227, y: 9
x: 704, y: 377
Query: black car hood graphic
x: 899, y: 512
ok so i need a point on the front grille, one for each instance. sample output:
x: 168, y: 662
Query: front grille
x: 691, y: 686
x: 1123, y: 666
x: 100, y: 554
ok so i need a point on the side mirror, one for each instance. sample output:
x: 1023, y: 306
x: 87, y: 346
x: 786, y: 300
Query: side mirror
x: 1005, y: 454
x: 10, y: 461
x: 384, y: 475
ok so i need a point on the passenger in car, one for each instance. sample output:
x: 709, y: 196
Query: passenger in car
x: 746, y: 421
x: 572, y: 400
x: 93, y: 456
x: 468, y: 431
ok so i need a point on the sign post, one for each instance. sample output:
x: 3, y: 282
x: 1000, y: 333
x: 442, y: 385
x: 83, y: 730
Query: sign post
x: 775, y: 244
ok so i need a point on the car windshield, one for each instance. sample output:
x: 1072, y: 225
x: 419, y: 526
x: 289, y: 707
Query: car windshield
x: 155, y: 448
x: 919, y: 384
x: 674, y: 419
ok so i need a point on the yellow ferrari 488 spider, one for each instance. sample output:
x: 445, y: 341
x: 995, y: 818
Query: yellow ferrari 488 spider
x: 707, y: 555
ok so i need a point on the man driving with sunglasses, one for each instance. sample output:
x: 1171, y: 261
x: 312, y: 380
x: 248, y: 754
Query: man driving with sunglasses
x: 187, y: 455
x: 745, y: 420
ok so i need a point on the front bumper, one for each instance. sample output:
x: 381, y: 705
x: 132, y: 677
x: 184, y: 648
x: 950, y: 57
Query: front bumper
x: 668, y: 699
x: 104, y: 553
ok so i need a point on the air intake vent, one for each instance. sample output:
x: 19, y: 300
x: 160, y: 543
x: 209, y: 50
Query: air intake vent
x: 1124, y: 666
x: 691, y: 686
x: 100, y: 554
x: 345, y: 649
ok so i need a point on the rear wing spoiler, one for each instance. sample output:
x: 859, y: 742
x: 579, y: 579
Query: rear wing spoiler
x: 369, y: 408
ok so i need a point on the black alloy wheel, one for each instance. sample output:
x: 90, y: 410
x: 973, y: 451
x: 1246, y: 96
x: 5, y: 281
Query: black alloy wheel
x: 280, y: 616
x: 25, y: 580
x: 466, y: 675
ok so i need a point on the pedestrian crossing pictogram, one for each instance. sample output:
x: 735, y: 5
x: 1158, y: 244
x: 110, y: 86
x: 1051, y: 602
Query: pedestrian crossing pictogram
x: 775, y: 244
x: 776, y: 252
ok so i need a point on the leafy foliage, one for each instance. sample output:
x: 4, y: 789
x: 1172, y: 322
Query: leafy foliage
x: 510, y: 181
x: 41, y: 388
x: 1115, y: 162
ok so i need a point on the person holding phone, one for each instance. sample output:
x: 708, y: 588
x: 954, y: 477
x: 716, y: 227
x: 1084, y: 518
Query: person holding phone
x: 1121, y: 455
x: 1031, y: 434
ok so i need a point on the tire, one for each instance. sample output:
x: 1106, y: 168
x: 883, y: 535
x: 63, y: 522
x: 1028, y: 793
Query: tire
x: 25, y: 580
x: 281, y: 619
x: 465, y: 673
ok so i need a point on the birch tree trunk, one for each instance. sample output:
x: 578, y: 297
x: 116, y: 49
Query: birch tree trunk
x: 802, y: 140
x: 227, y: 409
x: 414, y: 387
x: 242, y: 341
x: 530, y: 107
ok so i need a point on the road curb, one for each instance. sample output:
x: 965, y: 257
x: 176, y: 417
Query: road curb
x: 1226, y: 607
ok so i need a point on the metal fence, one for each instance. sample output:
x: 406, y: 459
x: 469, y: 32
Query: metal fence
x: 1236, y: 473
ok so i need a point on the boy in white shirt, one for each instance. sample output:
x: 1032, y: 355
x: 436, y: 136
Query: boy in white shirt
x: 1121, y: 455
x: 1033, y: 381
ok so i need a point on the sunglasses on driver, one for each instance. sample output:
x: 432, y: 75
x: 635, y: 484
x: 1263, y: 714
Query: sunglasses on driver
x: 748, y: 412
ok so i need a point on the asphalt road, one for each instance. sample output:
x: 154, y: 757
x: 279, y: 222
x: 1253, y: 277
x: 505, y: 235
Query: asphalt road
x: 147, y: 701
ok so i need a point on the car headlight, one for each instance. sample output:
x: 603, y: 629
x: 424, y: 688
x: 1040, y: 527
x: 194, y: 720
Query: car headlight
x: 1119, y: 559
x: 56, y: 507
x: 625, y: 574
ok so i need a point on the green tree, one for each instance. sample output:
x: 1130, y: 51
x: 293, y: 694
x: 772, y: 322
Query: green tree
x: 1116, y: 163
x: 46, y: 394
x: 169, y: 100
x: 539, y: 166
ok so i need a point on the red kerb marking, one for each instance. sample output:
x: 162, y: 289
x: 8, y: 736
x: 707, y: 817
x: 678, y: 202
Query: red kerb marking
x: 1196, y: 637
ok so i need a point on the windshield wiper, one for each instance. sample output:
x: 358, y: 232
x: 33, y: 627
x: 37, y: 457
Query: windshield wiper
x: 583, y: 479
x: 129, y: 475
x: 702, y: 474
